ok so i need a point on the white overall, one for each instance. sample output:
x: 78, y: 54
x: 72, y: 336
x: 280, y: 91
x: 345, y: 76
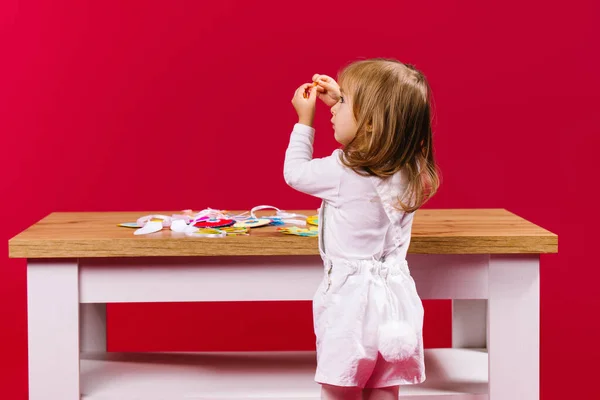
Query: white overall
x: 368, y: 317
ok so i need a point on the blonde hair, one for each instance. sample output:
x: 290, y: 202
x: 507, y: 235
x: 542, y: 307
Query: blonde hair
x: 392, y: 108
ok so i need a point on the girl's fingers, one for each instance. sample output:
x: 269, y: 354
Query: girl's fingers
x: 322, y: 78
x: 326, y: 86
x: 308, y: 87
x: 302, y: 89
x: 312, y: 94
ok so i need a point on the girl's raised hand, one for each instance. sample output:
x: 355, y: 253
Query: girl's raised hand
x: 327, y: 89
x: 304, y: 101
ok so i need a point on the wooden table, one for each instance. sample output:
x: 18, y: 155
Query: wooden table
x: 485, y: 260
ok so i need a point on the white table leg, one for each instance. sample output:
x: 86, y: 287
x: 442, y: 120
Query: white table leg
x: 53, y: 329
x: 513, y: 334
x: 92, y: 335
x: 469, y: 324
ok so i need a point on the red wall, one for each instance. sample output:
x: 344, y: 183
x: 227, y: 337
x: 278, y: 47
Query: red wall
x: 140, y: 105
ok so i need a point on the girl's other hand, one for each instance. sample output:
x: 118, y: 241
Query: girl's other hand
x: 327, y: 88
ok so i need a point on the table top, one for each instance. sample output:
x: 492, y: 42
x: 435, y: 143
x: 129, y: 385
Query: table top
x: 435, y: 231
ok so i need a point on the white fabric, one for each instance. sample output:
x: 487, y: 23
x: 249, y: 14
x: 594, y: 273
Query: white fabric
x: 368, y: 316
x: 368, y: 323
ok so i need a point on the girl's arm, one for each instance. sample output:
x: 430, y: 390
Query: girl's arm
x: 319, y: 177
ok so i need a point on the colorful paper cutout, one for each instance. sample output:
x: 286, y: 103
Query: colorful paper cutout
x: 294, y: 230
x: 313, y: 220
x: 252, y: 223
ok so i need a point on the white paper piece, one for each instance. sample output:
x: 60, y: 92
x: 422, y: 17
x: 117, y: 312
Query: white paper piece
x: 295, y: 222
x: 178, y: 225
x: 150, y: 227
x: 279, y: 214
x: 166, y: 221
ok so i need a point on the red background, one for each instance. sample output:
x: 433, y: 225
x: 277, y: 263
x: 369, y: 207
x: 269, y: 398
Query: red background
x: 141, y: 105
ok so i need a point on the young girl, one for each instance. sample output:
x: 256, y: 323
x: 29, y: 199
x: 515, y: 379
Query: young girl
x: 368, y: 316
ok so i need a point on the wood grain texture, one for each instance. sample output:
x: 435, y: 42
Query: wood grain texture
x: 447, y: 231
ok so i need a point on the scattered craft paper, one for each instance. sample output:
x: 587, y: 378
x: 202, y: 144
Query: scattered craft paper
x: 214, y: 223
x: 129, y: 225
x: 294, y: 230
x: 207, y: 233
x: 189, y: 222
x: 180, y: 226
x: 313, y: 220
x: 252, y: 223
x: 233, y: 231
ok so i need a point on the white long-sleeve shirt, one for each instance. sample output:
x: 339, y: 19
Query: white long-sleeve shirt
x: 361, y: 218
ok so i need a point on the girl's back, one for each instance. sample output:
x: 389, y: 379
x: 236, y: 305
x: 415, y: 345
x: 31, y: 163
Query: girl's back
x: 363, y: 221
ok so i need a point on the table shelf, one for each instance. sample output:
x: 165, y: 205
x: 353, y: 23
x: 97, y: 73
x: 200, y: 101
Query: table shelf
x: 452, y: 374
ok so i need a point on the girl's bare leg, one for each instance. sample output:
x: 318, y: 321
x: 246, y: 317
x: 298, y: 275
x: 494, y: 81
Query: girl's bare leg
x: 388, y: 393
x: 329, y: 392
